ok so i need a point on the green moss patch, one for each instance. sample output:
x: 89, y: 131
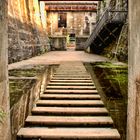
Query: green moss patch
x: 17, y: 86
x: 111, y: 80
x: 31, y: 71
x: 112, y: 77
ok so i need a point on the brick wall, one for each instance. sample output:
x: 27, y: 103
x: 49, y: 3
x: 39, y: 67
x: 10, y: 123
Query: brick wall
x: 26, y: 30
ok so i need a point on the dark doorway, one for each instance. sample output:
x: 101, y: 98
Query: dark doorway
x: 62, y: 20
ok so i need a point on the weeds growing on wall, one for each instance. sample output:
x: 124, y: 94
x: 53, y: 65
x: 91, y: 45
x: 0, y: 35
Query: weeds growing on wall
x: 2, y: 115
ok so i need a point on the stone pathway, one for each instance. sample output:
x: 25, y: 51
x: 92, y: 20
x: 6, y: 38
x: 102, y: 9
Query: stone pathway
x: 69, y: 109
x: 56, y: 57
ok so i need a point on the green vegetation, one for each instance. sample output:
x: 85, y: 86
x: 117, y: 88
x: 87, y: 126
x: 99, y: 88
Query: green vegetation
x: 27, y: 72
x: 2, y: 115
x: 111, y: 80
x: 104, y: 3
x: 110, y: 65
x: 18, y: 87
x: 113, y: 77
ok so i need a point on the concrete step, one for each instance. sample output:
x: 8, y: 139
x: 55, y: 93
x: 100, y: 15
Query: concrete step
x: 72, y: 67
x: 71, y: 96
x: 72, y: 81
x: 72, y: 73
x: 70, y: 87
x: 70, y: 84
x: 63, y: 91
x: 75, y: 111
x: 68, y: 65
x: 69, y: 121
x: 69, y: 109
x: 70, y: 78
x: 68, y: 133
x: 70, y: 103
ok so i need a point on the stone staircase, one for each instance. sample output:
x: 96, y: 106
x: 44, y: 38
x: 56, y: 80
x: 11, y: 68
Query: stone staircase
x: 69, y: 109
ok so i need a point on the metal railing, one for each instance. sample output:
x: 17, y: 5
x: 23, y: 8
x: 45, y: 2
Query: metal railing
x: 109, y: 16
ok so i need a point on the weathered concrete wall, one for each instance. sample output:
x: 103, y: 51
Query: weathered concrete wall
x: 58, y: 43
x: 80, y: 23
x: 4, y: 96
x: 111, y: 82
x: 26, y: 29
x: 23, y: 100
x: 80, y: 42
x: 134, y: 72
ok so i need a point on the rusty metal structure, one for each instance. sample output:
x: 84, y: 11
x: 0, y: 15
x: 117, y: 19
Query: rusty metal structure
x: 106, y: 30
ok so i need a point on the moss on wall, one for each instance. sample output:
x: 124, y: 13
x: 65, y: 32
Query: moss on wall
x: 114, y: 78
x: 26, y: 84
x: 17, y: 86
x: 111, y: 80
x: 2, y: 115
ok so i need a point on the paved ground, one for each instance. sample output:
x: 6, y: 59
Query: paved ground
x: 55, y: 57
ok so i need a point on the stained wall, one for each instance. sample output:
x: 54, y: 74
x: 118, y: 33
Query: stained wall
x: 27, y: 35
x: 133, y: 127
x: 4, y: 95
